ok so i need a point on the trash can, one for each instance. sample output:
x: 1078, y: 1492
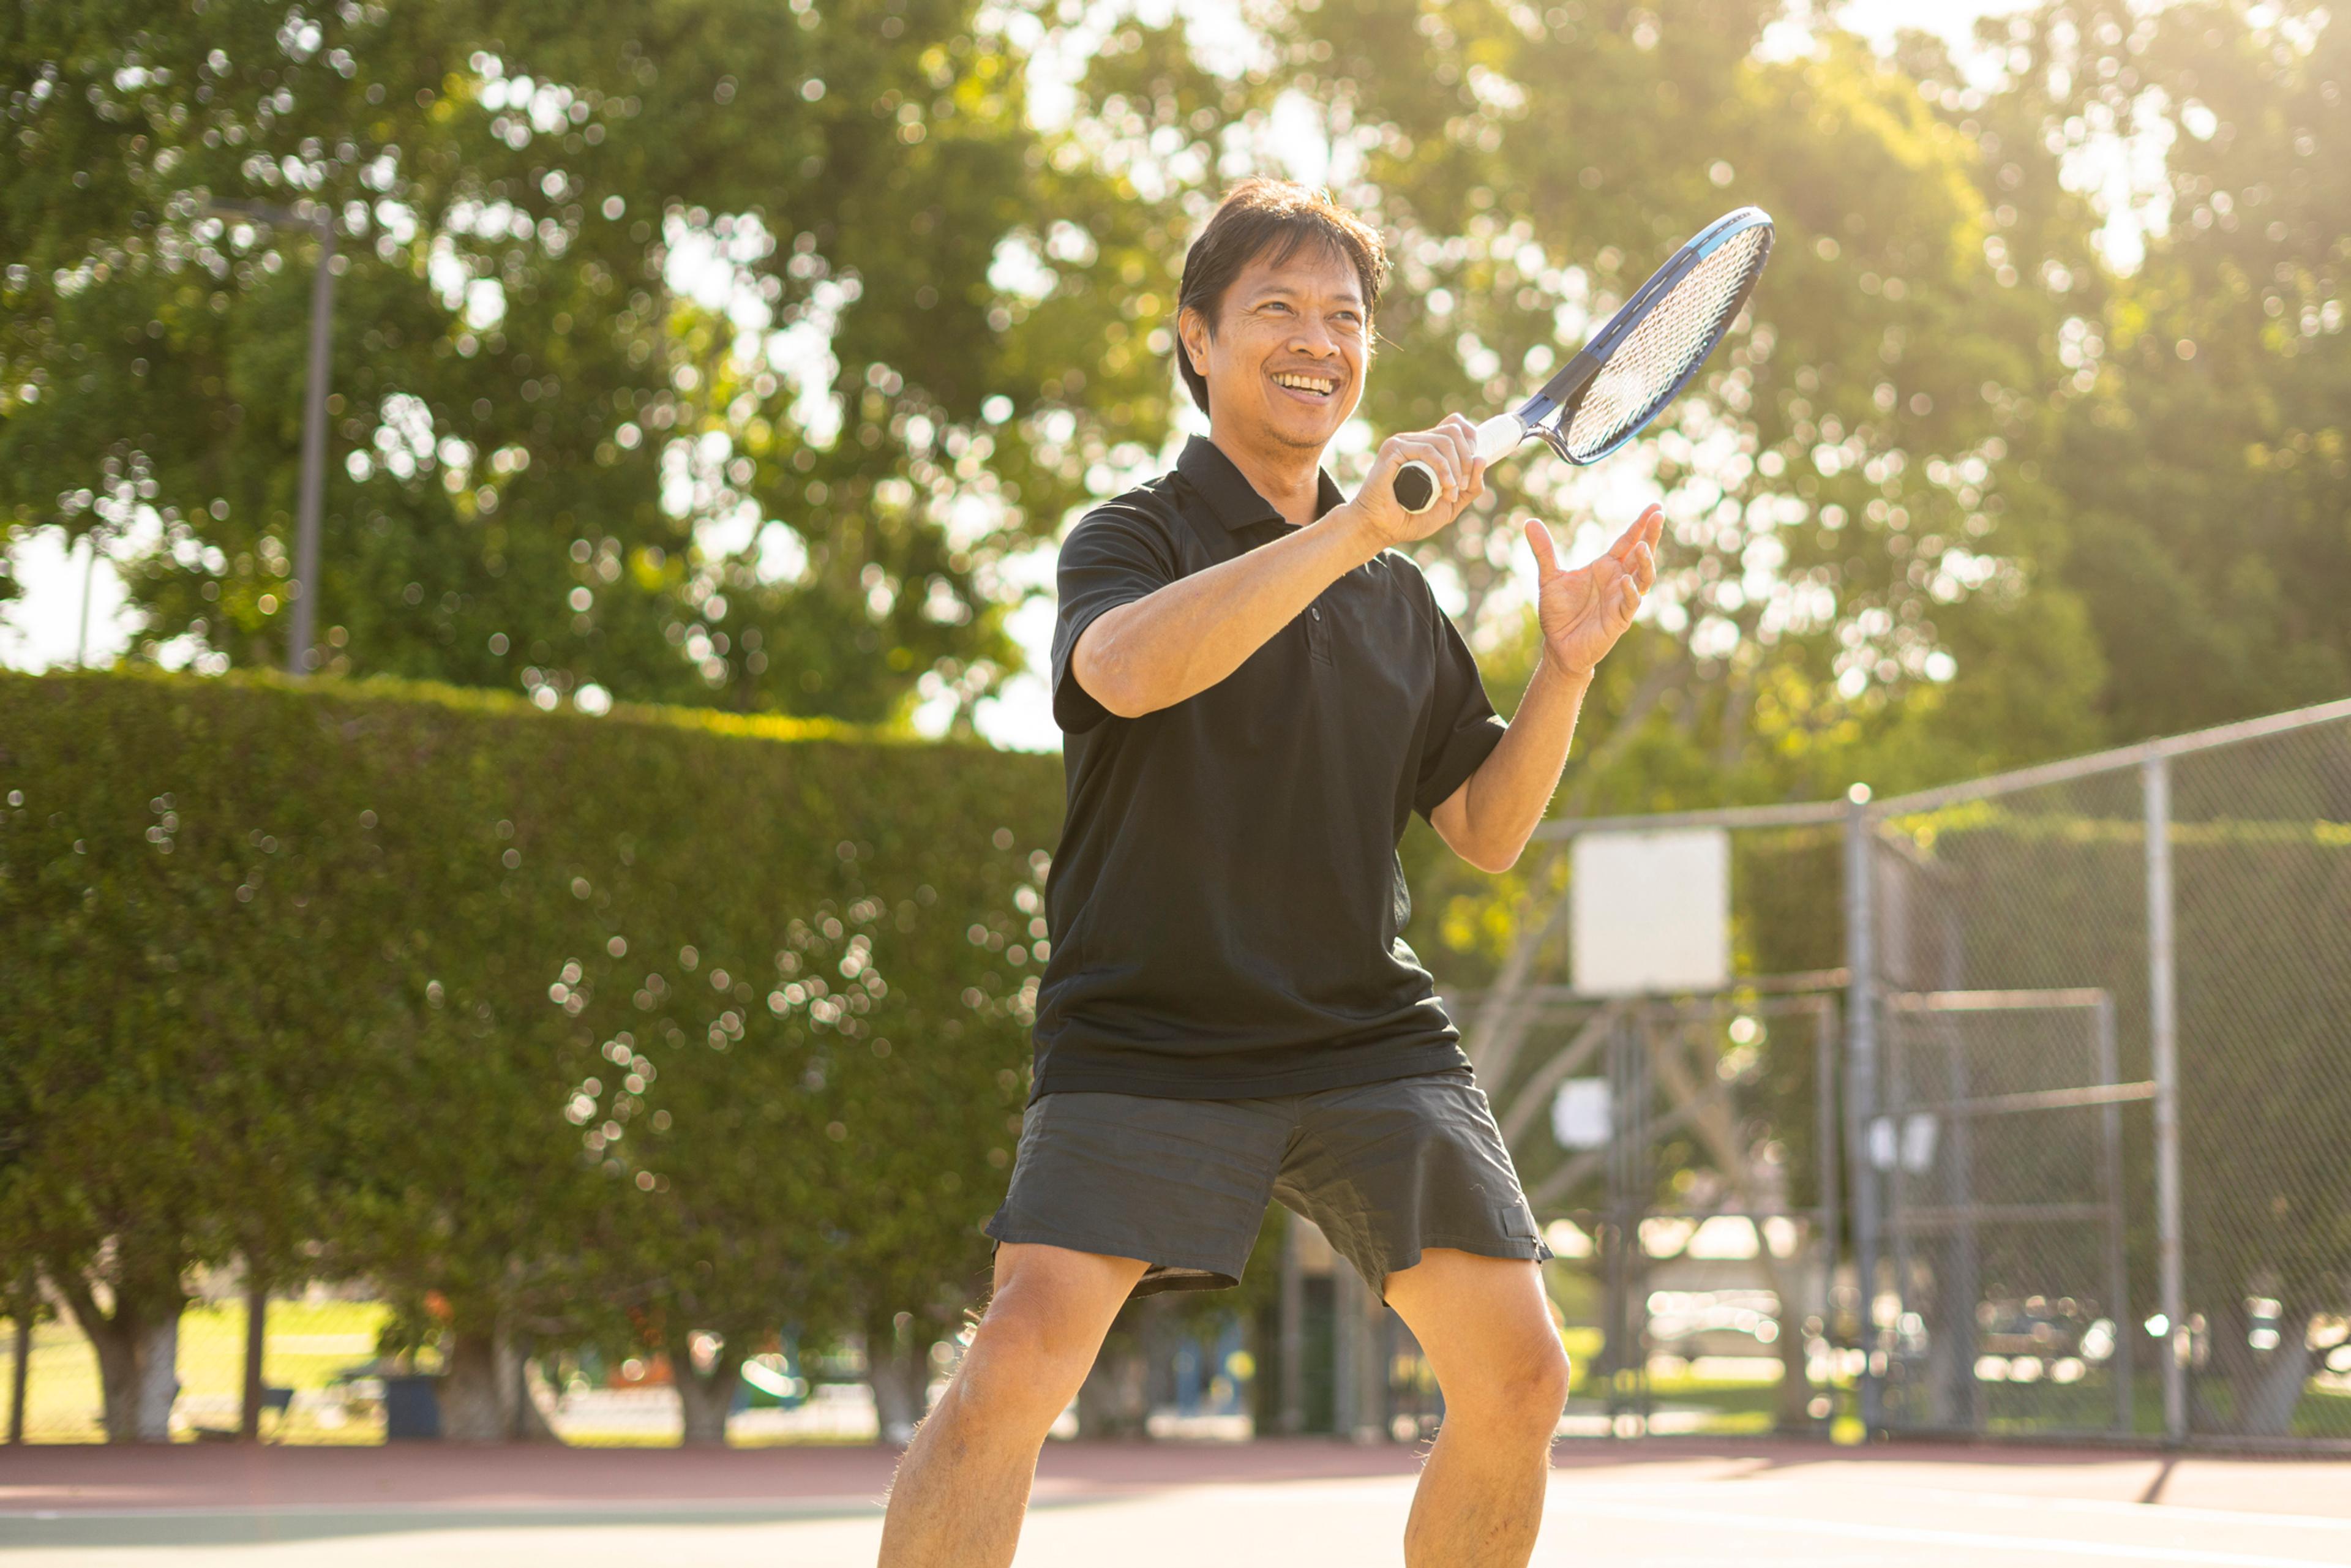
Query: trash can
x: 412, y: 1408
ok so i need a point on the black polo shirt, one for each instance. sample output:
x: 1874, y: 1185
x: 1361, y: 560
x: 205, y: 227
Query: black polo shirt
x: 1226, y: 905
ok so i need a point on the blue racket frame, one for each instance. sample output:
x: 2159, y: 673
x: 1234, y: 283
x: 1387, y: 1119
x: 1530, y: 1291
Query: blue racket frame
x: 1559, y: 395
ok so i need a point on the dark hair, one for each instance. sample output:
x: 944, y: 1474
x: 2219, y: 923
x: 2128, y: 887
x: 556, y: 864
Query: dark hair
x: 1275, y: 218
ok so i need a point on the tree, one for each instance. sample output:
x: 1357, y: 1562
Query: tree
x: 1860, y: 570
x: 1834, y: 481
x: 2198, y: 493
x: 780, y: 486
x: 2203, y: 495
x: 169, y: 1103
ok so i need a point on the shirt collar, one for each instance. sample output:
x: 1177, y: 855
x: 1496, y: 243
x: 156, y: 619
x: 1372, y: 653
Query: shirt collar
x: 1231, y: 496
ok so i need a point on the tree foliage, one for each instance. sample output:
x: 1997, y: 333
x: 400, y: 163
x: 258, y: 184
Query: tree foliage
x: 667, y: 356
x: 2206, y: 479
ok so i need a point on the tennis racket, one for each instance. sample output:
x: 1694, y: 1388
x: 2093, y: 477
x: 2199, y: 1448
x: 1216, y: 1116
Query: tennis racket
x: 1636, y: 364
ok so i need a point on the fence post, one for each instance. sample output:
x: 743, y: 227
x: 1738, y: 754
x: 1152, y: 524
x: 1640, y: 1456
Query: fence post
x: 2163, y: 1027
x: 2110, y: 1181
x: 1290, y: 1418
x: 1861, y: 1090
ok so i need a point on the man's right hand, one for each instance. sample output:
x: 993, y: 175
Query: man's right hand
x: 1450, y: 451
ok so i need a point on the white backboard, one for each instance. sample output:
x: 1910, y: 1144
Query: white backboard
x: 1652, y: 912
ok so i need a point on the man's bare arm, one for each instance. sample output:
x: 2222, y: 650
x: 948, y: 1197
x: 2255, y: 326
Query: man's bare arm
x: 1182, y: 639
x: 1488, y: 819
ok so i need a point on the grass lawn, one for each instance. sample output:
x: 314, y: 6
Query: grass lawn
x: 309, y: 1342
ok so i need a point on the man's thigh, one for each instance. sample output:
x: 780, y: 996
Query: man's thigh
x: 1063, y: 1273
x: 1059, y: 1301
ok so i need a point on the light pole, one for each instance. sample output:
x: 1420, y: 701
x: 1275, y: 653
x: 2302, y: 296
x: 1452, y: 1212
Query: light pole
x: 303, y: 590
x: 300, y: 639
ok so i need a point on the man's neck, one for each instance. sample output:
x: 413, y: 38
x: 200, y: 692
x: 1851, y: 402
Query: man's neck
x: 1288, y: 476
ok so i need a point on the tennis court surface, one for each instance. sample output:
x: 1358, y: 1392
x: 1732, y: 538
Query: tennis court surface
x: 1663, y: 1502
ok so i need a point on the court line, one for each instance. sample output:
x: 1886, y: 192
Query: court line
x: 2118, y: 1507
x: 1919, y: 1536
x: 2122, y: 1508
x: 536, y: 1511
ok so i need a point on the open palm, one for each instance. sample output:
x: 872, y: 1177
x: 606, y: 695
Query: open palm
x: 1584, y: 612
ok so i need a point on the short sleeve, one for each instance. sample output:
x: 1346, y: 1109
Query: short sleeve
x: 1114, y: 556
x: 1463, y: 728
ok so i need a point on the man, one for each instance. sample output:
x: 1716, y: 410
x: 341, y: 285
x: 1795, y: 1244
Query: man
x: 1258, y: 689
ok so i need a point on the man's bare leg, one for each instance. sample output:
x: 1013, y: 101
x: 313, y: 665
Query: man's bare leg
x: 963, y: 1487
x: 1488, y: 1337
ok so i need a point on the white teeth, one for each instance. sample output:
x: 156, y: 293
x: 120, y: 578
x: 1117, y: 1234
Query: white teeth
x: 1304, y: 384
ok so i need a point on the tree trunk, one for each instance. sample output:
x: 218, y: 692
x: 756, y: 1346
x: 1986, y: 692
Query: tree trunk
x: 159, y: 1378
x: 1795, y: 1370
x: 484, y: 1392
x: 257, y: 1337
x: 895, y: 1369
x: 1785, y: 1276
x: 2268, y: 1385
x: 706, y: 1398
x: 478, y: 1388
x: 20, y: 1372
x: 137, y: 1349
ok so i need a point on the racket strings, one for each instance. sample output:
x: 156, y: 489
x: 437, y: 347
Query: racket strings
x: 1662, y: 350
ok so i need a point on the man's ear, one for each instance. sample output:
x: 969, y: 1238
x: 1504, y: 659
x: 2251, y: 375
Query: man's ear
x: 1192, y: 333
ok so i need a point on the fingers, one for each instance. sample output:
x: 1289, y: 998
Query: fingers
x: 1443, y: 459
x: 1635, y: 549
x: 1644, y: 529
x: 1463, y: 434
x: 1546, y: 549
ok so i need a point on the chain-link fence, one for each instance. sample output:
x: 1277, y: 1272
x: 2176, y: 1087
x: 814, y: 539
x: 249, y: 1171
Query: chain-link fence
x: 1679, y: 1144
x: 2076, y: 1162
x: 2100, y: 1181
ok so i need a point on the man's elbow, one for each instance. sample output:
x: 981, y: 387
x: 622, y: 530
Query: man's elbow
x: 1108, y: 678
x: 1493, y: 864
x: 1118, y: 697
x: 1493, y: 859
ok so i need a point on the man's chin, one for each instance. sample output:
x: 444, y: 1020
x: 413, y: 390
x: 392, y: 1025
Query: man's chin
x: 1301, y: 436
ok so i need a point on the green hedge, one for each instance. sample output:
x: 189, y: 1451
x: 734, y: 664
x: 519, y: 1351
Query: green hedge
x: 360, y: 980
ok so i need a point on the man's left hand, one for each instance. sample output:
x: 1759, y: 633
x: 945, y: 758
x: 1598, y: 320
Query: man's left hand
x: 1584, y: 612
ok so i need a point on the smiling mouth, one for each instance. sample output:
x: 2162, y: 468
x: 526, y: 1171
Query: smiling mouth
x: 1311, y: 386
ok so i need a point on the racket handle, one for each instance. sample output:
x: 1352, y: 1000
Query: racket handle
x: 1415, y: 484
x: 1415, y: 487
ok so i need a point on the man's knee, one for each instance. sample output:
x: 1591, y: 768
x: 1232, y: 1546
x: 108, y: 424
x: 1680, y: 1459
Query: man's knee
x: 1026, y: 1358
x: 1523, y: 1389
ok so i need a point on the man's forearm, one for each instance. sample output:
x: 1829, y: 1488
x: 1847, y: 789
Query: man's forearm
x: 1185, y: 637
x: 1506, y: 797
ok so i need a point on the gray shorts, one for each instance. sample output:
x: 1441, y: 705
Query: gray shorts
x: 1383, y: 1169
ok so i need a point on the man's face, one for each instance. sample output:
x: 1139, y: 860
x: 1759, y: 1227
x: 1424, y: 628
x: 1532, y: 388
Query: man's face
x: 1287, y: 359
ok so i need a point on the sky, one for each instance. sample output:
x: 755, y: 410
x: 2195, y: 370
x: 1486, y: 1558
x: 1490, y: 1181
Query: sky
x: 74, y: 607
